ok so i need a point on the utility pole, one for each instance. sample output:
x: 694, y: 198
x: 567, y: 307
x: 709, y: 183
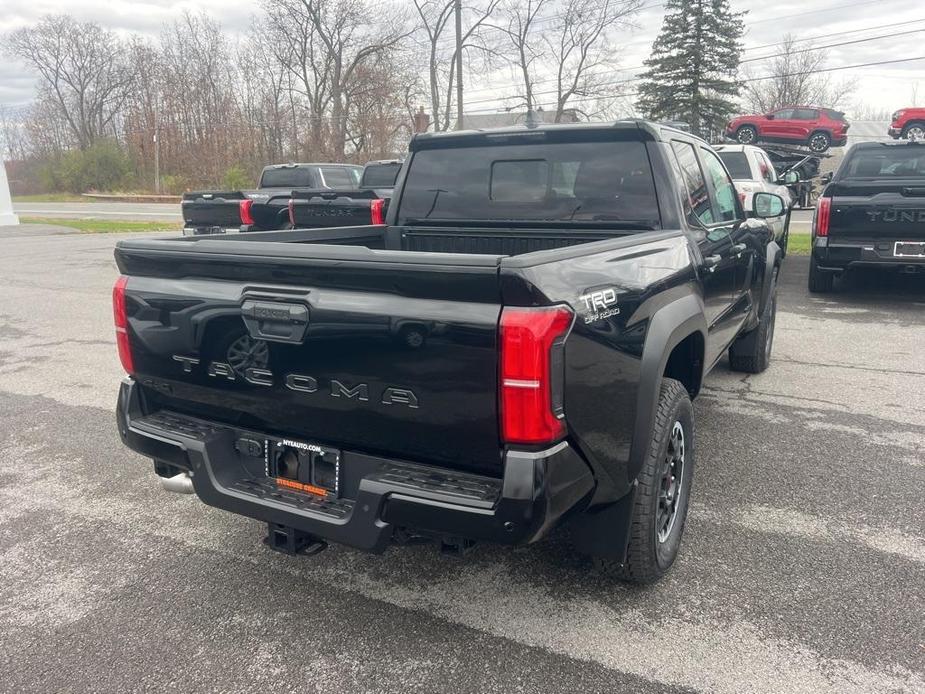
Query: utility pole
x: 459, y: 71
x: 157, y: 156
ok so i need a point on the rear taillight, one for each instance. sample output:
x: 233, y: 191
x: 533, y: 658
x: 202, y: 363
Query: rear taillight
x: 120, y: 317
x: 532, y: 373
x: 377, y: 211
x: 292, y: 212
x: 244, y: 207
x: 823, y: 215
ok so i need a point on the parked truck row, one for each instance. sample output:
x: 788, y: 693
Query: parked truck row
x: 290, y: 196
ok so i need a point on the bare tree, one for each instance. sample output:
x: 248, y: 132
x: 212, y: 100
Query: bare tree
x: 792, y: 77
x: 438, y: 31
x: 332, y: 40
x: 13, y: 137
x: 574, y: 47
x: 581, y: 50
x: 523, y: 43
x: 83, y: 69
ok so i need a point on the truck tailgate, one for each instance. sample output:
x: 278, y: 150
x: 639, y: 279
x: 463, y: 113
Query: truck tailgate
x: 218, y: 210
x: 334, y: 345
x: 878, y: 211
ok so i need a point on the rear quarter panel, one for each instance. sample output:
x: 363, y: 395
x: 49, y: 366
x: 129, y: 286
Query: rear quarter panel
x: 616, y: 288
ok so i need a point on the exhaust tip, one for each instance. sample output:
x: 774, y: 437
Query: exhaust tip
x: 179, y: 484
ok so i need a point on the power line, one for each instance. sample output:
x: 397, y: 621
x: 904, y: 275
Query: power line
x: 745, y: 81
x: 798, y: 14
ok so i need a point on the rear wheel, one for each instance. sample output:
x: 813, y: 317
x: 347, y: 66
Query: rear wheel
x: 751, y: 352
x: 820, y: 142
x: 914, y: 131
x: 663, y: 492
x: 819, y: 280
x: 747, y: 135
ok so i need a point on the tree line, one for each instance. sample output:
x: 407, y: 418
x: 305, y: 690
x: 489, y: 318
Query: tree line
x: 351, y: 80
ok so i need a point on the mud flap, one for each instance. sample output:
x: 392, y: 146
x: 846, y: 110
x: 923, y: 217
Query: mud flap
x: 604, y: 532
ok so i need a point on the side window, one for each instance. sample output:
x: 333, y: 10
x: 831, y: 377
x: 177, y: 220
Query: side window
x: 784, y: 114
x: 767, y: 169
x: 724, y: 192
x: 694, y: 181
x: 806, y: 114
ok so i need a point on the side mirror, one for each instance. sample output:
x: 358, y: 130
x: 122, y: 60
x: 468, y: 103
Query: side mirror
x: 769, y: 116
x: 791, y: 177
x: 768, y: 205
x: 827, y: 177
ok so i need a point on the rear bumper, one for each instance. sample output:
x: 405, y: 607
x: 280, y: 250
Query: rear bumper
x: 379, y: 494
x: 838, y: 256
x: 840, y: 141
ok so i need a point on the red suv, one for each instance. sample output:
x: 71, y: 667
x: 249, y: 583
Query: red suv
x: 908, y: 124
x: 817, y: 128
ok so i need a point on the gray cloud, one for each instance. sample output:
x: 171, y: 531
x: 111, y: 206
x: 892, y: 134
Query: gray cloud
x: 886, y: 86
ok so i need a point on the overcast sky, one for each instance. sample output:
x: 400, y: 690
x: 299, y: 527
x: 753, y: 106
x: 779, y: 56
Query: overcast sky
x: 883, y: 86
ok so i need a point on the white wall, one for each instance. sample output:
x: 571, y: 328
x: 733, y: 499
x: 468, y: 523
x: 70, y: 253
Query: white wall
x: 6, y: 205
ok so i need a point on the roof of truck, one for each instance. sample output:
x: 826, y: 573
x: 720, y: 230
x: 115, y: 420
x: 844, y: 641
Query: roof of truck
x: 652, y: 129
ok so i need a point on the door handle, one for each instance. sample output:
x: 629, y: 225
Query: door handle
x: 275, y: 321
x: 739, y: 249
x: 711, y: 261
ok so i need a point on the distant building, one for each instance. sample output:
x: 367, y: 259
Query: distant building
x: 502, y: 119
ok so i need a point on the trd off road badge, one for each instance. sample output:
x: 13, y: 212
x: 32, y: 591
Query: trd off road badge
x: 600, y: 304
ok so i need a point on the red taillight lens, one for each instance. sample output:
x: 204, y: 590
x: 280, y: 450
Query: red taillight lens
x: 120, y: 317
x: 377, y: 211
x: 532, y: 373
x: 292, y: 212
x: 823, y: 215
x: 244, y: 208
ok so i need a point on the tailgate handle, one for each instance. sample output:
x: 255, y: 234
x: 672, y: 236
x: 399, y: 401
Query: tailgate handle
x: 275, y: 321
x: 910, y: 192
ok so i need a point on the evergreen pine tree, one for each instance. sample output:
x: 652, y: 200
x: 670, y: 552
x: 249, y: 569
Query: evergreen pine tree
x: 691, y: 73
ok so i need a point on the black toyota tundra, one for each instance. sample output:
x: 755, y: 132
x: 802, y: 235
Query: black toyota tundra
x: 871, y: 214
x: 516, y: 348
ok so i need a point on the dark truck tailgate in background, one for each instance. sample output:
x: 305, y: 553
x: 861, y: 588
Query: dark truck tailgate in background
x: 212, y: 209
x: 341, y: 346
x: 316, y: 209
x: 877, y: 211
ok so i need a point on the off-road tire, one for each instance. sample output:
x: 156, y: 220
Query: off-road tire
x: 749, y: 133
x: 819, y: 282
x: 751, y: 353
x: 648, y: 558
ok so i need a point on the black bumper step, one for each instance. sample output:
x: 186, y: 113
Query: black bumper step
x: 267, y: 489
x: 172, y: 424
x: 471, y: 490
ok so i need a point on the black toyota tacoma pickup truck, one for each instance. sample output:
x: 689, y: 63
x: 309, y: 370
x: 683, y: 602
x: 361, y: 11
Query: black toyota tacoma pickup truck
x: 517, y: 348
x: 264, y: 209
x: 871, y: 214
x: 312, y: 209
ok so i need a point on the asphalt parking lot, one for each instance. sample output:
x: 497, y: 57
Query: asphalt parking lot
x: 802, y: 570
